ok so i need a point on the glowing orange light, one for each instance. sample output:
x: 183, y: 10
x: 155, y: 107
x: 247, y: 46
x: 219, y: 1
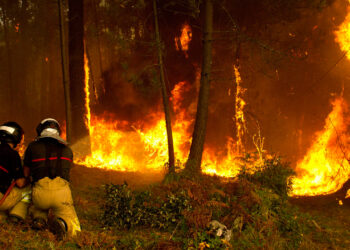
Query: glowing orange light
x: 342, y: 35
x: 87, y: 91
x: 184, y: 40
x: 324, y: 169
x: 21, y: 148
x: 239, y: 108
x: 125, y: 146
x: 347, y: 194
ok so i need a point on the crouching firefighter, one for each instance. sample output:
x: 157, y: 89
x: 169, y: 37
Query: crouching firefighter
x: 48, y: 161
x: 14, y: 194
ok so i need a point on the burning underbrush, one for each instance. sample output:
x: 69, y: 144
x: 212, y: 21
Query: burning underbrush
x: 325, y: 167
x: 249, y: 211
x: 141, y: 145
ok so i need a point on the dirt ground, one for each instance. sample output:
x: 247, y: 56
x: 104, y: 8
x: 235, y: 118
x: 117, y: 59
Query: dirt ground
x: 87, y: 189
x: 82, y: 176
x: 331, y: 215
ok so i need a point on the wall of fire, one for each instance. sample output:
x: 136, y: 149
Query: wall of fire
x: 290, y: 69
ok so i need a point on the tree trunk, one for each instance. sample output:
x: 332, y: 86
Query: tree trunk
x: 164, y: 94
x: 65, y: 74
x: 95, y: 7
x: 193, y: 164
x: 9, y: 61
x: 76, y: 72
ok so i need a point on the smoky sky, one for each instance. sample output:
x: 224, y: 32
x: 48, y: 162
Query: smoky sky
x: 290, y: 69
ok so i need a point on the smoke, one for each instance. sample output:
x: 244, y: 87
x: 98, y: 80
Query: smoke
x: 289, y: 69
x: 128, y: 95
x: 291, y: 75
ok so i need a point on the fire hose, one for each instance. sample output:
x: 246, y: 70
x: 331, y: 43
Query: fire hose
x: 7, y: 192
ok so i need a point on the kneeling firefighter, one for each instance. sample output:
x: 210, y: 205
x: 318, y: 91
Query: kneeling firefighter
x: 14, y: 194
x: 48, y: 161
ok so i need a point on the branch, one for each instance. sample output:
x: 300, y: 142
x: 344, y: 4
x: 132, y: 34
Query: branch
x: 339, y: 143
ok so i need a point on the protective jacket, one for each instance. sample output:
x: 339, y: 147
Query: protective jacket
x: 50, y: 161
x: 10, y: 166
x: 17, y: 202
x: 47, y: 157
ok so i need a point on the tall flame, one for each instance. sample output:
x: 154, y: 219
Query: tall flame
x: 87, y: 91
x: 325, y: 167
x: 123, y: 146
x: 239, y: 108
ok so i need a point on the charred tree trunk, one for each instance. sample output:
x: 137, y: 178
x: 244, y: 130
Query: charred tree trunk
x: 76, y: 71
x: 193, y: 164
x: 65, y: 74
x: 164, y: 94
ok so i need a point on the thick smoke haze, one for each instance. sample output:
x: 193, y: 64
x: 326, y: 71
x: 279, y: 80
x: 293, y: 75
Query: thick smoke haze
x: 291, y: 70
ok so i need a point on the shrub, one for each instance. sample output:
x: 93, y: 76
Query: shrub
x: 254, y: 206
x: 273, y: 174
x: 118, y: 206
x: 124, y: 208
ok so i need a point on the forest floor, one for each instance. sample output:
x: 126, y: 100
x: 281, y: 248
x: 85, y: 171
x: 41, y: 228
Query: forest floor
x: 331, y: 220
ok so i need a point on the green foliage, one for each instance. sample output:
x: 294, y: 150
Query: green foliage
x: 273, y: 174
x: 202, y: 240
x: 132, y: 242
x: 118, y: 207
x: 125, y: 208
x: 290, y: 228
x: 254, y: 207
x: 272, y: 218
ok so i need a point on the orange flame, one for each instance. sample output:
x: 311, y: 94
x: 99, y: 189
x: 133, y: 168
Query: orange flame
x: 21, y: 147
x: 122, y: 146
x: 325, y: 167
x: 342, y: 35
x: 183, y: 42
x: 87, y: 91
x: 239, y: 108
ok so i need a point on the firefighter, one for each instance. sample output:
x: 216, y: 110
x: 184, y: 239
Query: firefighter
x: 48, y: 161
x: 14, y: 193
